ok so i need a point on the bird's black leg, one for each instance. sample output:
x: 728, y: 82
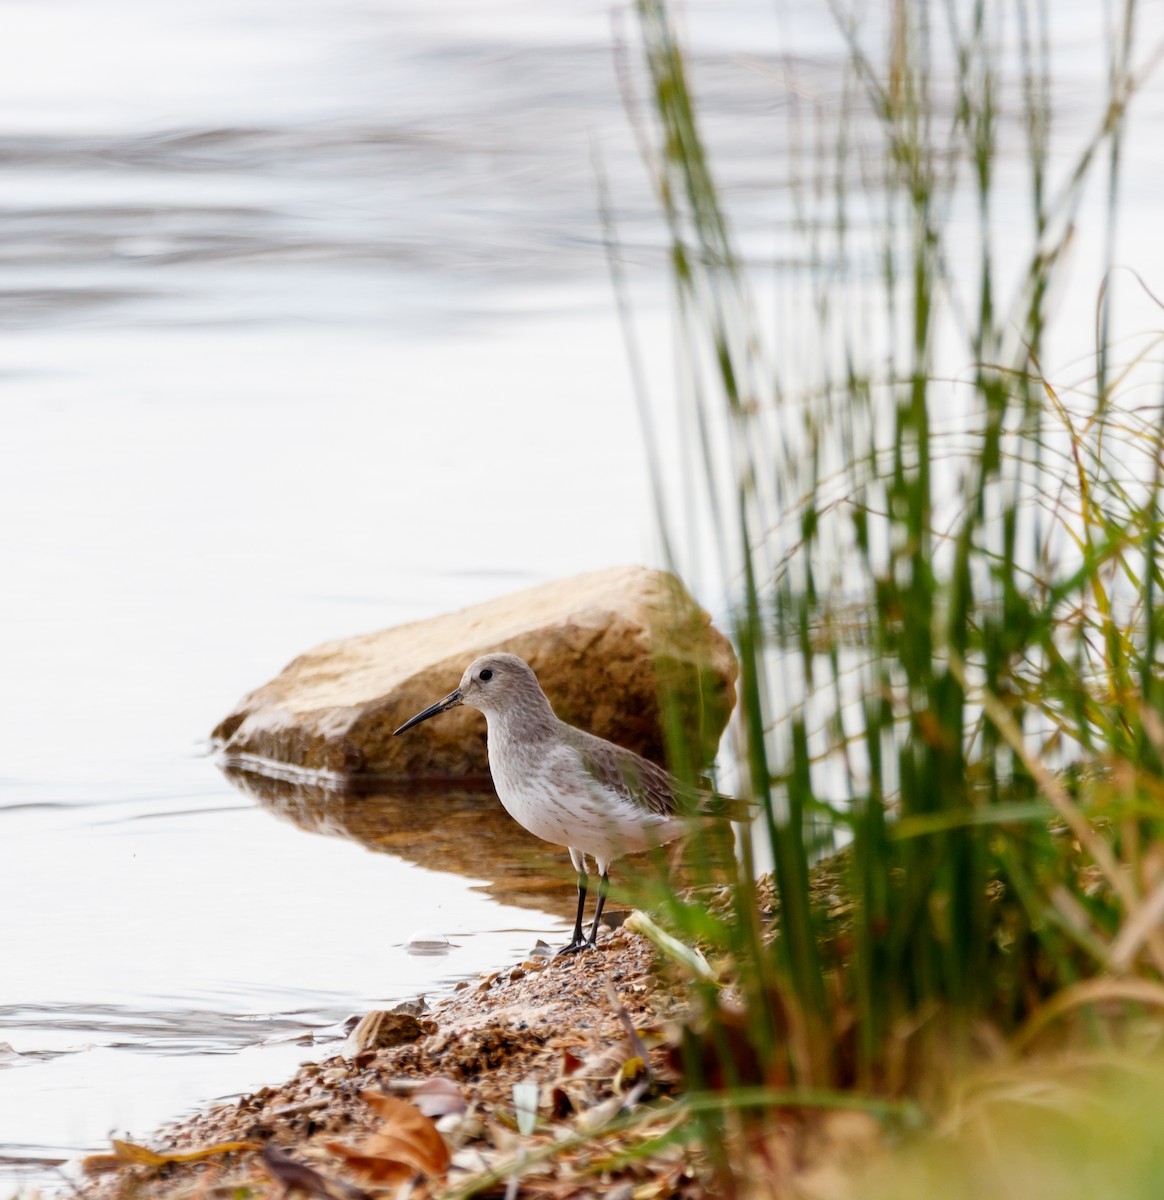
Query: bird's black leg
x: 578, y: 941
x: 603, y: 885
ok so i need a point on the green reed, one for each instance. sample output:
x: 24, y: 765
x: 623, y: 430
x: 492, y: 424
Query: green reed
x: 944, y: 593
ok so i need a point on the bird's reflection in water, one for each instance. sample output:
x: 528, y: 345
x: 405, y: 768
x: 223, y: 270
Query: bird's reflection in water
x: 457, y: 829
x: 448, y: 828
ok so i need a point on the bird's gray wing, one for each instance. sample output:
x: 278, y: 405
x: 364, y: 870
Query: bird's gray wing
x: 639, y: 781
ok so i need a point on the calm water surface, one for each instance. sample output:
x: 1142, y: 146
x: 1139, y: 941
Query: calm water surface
x: 305, y: 330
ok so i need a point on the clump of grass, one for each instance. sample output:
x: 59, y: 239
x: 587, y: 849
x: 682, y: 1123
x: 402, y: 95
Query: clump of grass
x: 942, y: 569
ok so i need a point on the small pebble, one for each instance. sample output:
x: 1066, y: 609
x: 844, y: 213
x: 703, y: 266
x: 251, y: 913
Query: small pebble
x: 427, y: 941
x: 379, y: 1030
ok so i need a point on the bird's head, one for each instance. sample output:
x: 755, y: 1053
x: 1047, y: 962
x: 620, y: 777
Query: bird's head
x: 493, y: 683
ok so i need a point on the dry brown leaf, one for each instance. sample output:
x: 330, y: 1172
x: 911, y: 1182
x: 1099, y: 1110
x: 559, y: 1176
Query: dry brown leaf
x: 560, y: 1103
x: 570, y: 1063
x: 95, y: 1164
x: 385, y: 1171
x: 142, y: 1156
x: 406, y: 1144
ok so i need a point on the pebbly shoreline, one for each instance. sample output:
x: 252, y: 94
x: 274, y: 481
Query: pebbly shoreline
x: 563, y: 1024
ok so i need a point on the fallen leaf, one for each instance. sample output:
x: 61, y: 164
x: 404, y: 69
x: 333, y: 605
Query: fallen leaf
x: 596, y: 1118
x: 95, y: 1164
x: 385, y: 1171
x: 128, y: 1152
x: 630, y: 1072
x: 406, y: 1144
x: 439, y: 1096
x: 570, y: 1063
x: 688, y: 957
x: 502, y: 1138
x: 560, y: 1103
x: 298, y: 1177
x: 600, y: 1115
x: 143, y: 1156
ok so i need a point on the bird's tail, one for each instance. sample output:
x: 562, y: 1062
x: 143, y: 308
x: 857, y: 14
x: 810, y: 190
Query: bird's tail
x: 730, y: 807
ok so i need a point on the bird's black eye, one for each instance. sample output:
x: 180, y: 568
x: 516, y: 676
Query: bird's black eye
x: 485, y: 675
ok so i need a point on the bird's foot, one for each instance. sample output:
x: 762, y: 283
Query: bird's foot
x: 577, y: 945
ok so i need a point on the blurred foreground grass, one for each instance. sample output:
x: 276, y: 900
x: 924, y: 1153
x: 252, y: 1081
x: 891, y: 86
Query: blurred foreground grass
x: 1082, y: 1128
x: 943, y: 574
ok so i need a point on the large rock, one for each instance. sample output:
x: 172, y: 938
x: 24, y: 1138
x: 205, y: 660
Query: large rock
x: 602, y: 645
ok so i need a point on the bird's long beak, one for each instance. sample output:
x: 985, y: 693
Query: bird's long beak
x: 450, y: 701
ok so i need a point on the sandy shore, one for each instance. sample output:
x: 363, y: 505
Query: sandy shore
x: 562, y: 1024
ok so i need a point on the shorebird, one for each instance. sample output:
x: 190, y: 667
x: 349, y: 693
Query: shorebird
x: 566, y: 786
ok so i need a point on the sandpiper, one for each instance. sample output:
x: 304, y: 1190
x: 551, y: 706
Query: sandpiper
x: 566, y: 786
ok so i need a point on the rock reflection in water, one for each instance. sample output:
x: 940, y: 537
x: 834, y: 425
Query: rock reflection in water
x: 463, y: 830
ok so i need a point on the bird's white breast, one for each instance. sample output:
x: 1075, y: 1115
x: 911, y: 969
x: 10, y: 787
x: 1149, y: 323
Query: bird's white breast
x: 548, y: 792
